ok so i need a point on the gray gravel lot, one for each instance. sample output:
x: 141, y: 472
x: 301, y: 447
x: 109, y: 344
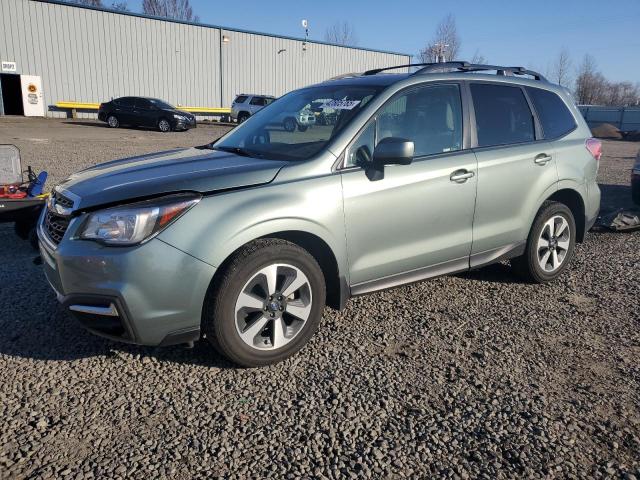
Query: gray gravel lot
x: 471, y: 376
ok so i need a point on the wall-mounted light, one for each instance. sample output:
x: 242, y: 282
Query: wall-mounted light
x: 225, y: 39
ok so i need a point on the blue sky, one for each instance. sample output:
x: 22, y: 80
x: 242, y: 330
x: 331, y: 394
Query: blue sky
x: 505, y: 32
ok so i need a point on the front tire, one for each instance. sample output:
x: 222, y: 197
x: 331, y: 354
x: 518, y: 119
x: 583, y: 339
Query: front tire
x: 550, y: 246
x: 164, y: 126
x: 302, y: 128
x: 266, y: 303
x: 113, y: 121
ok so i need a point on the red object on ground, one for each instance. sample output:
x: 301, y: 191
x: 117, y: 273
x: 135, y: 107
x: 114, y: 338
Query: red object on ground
x: 12, y: 192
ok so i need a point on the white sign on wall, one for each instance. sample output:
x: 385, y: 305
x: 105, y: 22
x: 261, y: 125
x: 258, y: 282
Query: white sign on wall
x: 32, y: 99
x: 9, y: 66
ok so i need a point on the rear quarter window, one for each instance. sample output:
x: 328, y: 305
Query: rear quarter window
x: 240, y: 99
x: 555, y: 117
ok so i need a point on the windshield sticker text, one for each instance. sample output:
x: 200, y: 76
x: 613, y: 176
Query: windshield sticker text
x: 341, y: 104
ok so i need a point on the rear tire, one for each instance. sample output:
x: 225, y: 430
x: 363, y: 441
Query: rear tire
x: 243, y: 117
x: 112, y: 121
x: 550, y: 246
x: 302, y: 128
x: 266, y: 303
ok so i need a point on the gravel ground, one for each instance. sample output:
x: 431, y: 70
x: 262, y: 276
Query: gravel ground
x: 471, y: 376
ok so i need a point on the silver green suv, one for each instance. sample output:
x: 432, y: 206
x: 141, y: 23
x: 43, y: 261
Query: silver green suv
x: 242, y: 242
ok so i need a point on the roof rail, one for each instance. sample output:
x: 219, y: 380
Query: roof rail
x: 375, y: 71
x: 345, y: 75
x: 461, y: 66
x: 478, y: 67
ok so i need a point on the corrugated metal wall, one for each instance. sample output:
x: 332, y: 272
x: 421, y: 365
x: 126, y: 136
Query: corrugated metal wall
x: 89, y: 55
x: 251, y: 63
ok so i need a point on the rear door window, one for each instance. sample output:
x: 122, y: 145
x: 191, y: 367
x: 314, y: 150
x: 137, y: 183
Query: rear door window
x: 240, y: 99
x: 503, y: 116
x: 555, y: 117
x: 259, y: 101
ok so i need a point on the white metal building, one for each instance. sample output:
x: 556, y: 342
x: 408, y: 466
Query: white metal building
x: 52, y: 51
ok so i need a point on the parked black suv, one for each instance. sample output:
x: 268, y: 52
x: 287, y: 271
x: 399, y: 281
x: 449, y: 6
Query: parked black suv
x: 145, y: 112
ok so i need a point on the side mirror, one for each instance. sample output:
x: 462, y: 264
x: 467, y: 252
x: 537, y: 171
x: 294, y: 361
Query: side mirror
x: 393, y: 151
x: 389, y: 151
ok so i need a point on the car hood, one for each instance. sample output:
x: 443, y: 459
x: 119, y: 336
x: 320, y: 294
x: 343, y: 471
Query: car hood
x: 191, y: 169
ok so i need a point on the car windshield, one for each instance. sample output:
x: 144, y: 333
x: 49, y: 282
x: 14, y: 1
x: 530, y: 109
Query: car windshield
x: 300, y: 124
x: 161, y: 104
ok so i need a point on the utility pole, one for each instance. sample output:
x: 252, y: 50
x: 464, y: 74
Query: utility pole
x: 305, y: 25
x: 441, y: 48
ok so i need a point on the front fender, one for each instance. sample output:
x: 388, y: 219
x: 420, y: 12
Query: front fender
x: 222, y: 223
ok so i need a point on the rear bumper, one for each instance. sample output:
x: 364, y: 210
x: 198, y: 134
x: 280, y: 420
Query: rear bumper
x: 591, y: 221
x: 592, y: 206
x: 151, y: 294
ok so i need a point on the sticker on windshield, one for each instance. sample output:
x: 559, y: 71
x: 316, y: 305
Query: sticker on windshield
x: 341, y: 104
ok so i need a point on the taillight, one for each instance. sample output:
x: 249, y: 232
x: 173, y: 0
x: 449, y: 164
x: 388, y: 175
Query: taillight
x: 595, y: 147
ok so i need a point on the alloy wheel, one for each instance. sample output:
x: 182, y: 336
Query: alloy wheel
x: 553, y: 243
x: 273, y: 307
x: 164, y: 126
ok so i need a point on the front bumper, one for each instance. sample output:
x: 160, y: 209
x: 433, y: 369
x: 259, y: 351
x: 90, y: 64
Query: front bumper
x: 151, y: 294
x: 185, y: 124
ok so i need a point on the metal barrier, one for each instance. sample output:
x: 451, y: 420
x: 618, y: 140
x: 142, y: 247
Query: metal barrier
x: 73, y: 107
x: 626, y: 119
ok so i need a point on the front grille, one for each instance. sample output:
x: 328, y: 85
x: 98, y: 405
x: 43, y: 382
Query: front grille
x: 55, y: 226
x: 61, y: 200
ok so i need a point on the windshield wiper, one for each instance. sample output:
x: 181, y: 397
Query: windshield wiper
x: 239, y: 151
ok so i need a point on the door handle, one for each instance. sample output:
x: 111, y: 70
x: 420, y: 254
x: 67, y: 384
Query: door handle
x: 461, y: 176
x: 542, y: 159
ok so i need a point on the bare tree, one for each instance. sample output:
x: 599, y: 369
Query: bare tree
x: 341, y: 33
x: 590, y: 83
x: 592, y: 88
x: 177, y: 9
x: 121, y: 5
x: 478, y: 58
x: 117, y: 5
x: 445, y: 45
x: 561, y: 68
x: 91, y: 3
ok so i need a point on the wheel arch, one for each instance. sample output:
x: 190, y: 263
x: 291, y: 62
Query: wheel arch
x: 574, y: 201
x: 336, y: 284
